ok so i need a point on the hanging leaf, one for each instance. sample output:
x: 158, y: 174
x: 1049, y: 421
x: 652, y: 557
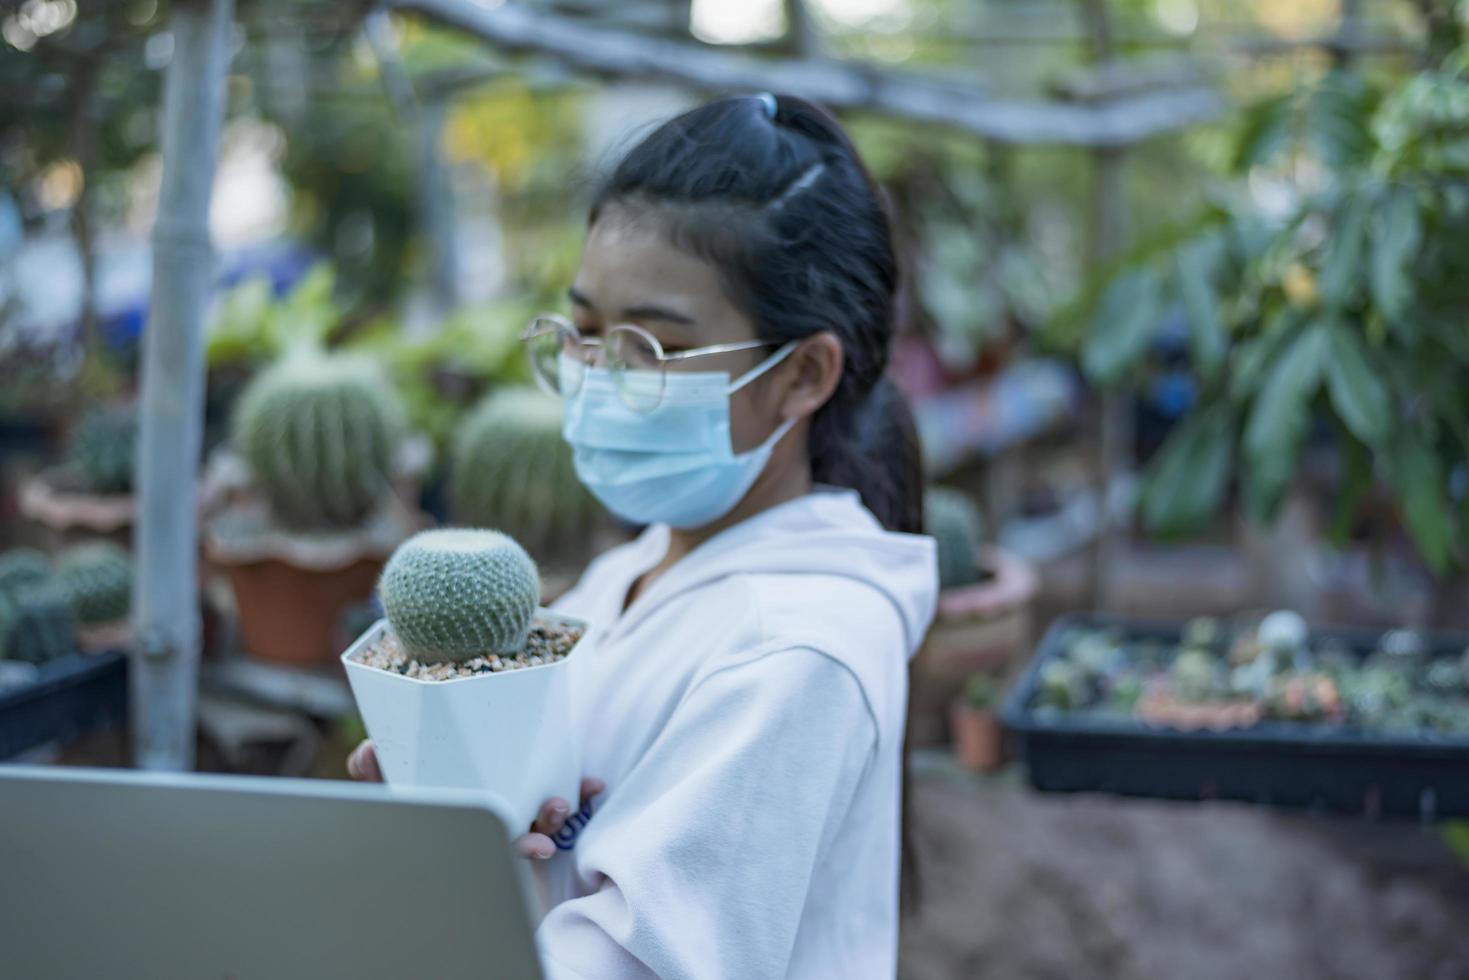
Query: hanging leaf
x: 1396, y: 234
x: 1187, y: 481
x: 1280, y: 418
x: 1422, y: 491
x: 1341, y: 261
x: 1356, y: 479
x: 1357, y: 393
x: 1206, y: 329
x: 1126, y: 320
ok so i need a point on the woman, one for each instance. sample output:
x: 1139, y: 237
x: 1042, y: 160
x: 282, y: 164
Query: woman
x: 743, y: 707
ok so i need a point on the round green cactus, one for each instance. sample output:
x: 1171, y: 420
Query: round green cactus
x: 97, y: 580
x: 103, y: 448
x: 36, y: 624
x: 320, y: 434
x: 512, y: 469
x: 22, y: 567
x: 954, y: 521
x: 455, y: 594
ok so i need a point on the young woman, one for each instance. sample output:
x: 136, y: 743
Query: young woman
x: 743, y: 707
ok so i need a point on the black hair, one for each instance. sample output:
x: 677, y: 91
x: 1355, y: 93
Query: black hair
x: 770, y: 191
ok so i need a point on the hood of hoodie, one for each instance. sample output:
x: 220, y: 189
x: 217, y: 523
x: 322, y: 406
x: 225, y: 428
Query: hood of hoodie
x: 826, y: 532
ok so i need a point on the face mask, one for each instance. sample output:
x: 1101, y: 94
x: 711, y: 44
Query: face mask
x: 674, y: 465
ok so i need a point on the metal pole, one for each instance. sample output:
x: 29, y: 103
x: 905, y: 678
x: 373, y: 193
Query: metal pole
x: 166, y: 606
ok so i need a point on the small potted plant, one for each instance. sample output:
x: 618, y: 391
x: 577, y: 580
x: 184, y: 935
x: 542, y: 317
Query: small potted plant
x: 36, y: 620
x: 319, y: 434
x: 974, y: 727
x: 91, y: 492
x: 982, y: 624
x: 465, y: 682
x: 97, y: 580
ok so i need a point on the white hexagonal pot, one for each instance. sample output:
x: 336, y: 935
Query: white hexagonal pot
x: 508, y: 733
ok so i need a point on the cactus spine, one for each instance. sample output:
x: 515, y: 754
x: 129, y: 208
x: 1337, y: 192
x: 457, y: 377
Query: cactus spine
x: 512, y: 469
x: 320, y: 434
x: 953, y: 520
x: 97, y: 579
x: 36, y: 624
x: 22, y: 567
x: 102, y: 450
x: 456, y: 594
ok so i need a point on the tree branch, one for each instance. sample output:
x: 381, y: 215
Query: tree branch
x: 839, y: 85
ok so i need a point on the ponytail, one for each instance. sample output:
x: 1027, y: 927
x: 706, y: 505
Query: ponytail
x: 878, y: 457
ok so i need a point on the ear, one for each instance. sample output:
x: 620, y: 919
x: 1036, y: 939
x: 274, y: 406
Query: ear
x: 811, y: 375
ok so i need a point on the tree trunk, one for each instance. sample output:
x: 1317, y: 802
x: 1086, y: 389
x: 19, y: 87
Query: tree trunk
x: 166, y: 606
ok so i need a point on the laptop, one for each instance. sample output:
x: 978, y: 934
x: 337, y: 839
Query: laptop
x: 107, y: 873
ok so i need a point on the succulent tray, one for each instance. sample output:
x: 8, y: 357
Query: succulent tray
x: 66, y: 698
x: 1350, y: 721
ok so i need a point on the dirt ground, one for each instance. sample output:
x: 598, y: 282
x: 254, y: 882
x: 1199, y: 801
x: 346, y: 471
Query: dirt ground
x: 1018, y: 885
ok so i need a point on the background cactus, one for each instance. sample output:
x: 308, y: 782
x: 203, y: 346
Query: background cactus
x: 957, y: 525
x: 97, y: 579
x: 22, y: 567
x: 512, y: 470
x: 36, y: 624
x: 320, y: 434
x: 456, y: 594
x: 102, y: 449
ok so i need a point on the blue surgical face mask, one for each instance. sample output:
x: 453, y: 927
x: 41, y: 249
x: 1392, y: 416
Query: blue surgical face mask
x: 674, y: 465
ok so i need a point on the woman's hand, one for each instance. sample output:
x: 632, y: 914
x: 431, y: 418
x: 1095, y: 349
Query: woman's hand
x: 538, y: 844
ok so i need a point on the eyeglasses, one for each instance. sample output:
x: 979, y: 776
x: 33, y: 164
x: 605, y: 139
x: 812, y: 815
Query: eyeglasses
x: 560, y: 355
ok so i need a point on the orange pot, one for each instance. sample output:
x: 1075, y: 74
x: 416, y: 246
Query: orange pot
x: 978, y: 743
x: 291, y: 615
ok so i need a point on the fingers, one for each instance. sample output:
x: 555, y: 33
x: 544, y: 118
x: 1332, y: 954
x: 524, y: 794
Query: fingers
x: 552, y: 817
x: 537, y: 847
x: 591, y: 788
x: 362, y: 764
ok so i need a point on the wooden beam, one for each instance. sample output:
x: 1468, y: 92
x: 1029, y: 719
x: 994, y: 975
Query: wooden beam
x: 839, y: 85
x: 166, y: 629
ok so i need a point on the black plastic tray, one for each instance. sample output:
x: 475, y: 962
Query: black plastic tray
x: 70, y: 697
x: 1325, y: 767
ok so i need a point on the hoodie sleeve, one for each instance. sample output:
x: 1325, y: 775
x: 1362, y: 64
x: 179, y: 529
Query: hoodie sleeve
x: 702, y: 857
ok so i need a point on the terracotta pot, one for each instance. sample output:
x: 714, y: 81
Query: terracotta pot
x: 289, y: 614
x: 980, y: 628
x: 978, y: 743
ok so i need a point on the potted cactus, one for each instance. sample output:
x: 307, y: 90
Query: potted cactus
x: 91, y: 493
x: 36, y: 619
x: 97, y: 580
x: 513, y: 470
x: 319, y: 434
x: 464, y: 683
x: 974, y: 726
x: 983, y: 619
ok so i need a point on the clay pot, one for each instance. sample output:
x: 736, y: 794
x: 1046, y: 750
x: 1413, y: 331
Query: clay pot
x: 979, y: 628
x: 289, y: 614
x: 977, y: 740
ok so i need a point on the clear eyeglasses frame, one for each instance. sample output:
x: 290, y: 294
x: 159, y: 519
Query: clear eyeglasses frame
x: 559, y: 356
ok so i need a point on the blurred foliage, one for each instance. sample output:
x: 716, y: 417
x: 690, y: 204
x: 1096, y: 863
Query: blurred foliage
x: 1346, y: 304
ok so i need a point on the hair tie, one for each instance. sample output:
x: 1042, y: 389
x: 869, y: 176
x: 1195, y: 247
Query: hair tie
x: 768, y: 101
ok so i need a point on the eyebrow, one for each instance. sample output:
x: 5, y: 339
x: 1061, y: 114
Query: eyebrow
x: 661, y: 314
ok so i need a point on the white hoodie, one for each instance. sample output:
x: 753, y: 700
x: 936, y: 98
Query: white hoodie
x: 746, y: 713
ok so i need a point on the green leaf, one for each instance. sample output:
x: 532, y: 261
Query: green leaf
x: 1124, y: 323
x: 1206, y: 328
x: 1356, y: 480
x: 1341, y: 261
x: 1422, y: 490
x: 1396, y: 234
x: 1187, y: 481
x: 1357, y: 393
x: 1279, y: 419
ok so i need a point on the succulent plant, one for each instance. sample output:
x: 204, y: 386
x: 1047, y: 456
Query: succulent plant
x: 455, y: 594
x: 97, y: 579
x: 1061, y: 686
x: 954, y: 521
x: 512, y: 469
x: 320, y: 434
x: 982, y: 691
x: 1203, y: 632
x: 1283, y: 632
x: 36, y: 624
x: 22, y: 567
x: 1195, y: 675
x: 103, y: 447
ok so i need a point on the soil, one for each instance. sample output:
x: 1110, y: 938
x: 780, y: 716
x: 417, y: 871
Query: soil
x: 1027, y: 886
x: 548, y: 643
